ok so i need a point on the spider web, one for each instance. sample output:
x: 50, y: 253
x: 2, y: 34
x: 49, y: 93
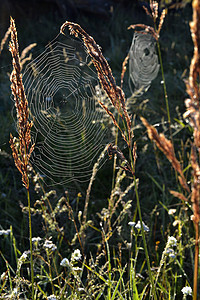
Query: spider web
x: 68, y: 130
x: 143, y: 62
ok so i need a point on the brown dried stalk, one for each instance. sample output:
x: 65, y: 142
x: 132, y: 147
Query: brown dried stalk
x: 196, y: 186
x: 113, y: 119
x: 24, y: 58
x: 195, y: 198
x: 124, y: 69
x: 162, y: 17
x: 26, y: 50
x: 192, y: 84
x: 193, y: 113
x: 114, y: 150
x: 178, y: 195
x: 193, y: 108
x: 195, y: 63
x: 167, y: 148
x: 154, y: 9
x: 22, y: 155
x: 114, y: 92
x: 147, y: 29
x: 5, y: 38
x: 154, y: 15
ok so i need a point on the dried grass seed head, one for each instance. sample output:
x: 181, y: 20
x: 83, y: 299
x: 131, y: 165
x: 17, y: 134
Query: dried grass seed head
x: 107, y: 81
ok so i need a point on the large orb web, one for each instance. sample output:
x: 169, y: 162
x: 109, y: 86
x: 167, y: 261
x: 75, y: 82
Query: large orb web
x: 68, y: 130
x: 143, y: 62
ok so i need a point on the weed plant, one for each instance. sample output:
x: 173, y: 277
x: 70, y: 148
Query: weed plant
x: 135, y: 239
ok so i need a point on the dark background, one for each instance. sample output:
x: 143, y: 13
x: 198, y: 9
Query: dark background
x: 107, y: 21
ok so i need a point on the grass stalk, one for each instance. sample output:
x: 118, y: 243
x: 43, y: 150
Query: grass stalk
x: 142, y: 230
x: 30, y: 241
x: 196, y: 262
x: 155, y: 32
x: 21, y: 153
x: 144, y: 242
x: 50, y: 273
x: 111, y: 202
x: 165, y: 90
x: 13, y: 241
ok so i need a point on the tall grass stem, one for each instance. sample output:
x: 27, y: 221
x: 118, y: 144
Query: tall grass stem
x: 142, y: 230
x: 144, y: 242
x: 165, y: 91
x: 30, y: 239
x: 196, y: 262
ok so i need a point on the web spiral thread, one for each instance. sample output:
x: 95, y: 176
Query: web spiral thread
x: 68, y: 129
x: 143, y: 62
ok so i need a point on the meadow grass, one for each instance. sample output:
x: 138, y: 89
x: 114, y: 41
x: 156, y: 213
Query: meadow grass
x: 133, y: 238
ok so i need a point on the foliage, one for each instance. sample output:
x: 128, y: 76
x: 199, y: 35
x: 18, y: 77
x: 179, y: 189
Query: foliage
x: 131, y: 238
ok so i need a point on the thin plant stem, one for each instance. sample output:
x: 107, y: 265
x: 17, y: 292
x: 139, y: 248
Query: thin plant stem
x: 142, y: 230
x: 165, y: 90
x: 22, y: 153
x: 50, y: 273
x: 196, y: 262
x: 157, y: 30
x: 144, y: 241
x: 111, y: 204
x: 30, y: 240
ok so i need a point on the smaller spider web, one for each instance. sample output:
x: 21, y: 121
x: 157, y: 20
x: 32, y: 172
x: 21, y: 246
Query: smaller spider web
x: 143, y: 62
x: 68, y: 128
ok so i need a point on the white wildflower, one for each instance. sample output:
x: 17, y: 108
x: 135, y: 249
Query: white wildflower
x: 187, y: 291
x: 138, y: 226
x: 4, y: 276
x: 77, y: 269
x: 52, y: 297
x: 76, y: 255
x: 36, y: 239
x: 24, y: 256
x: 49, y: 245
x: 5, y: 232
x: 172, y: 241
x: 170, y: 252
x: 171, y: 211
x: 21, y: 261
x: 65, y: 262
x: 132, y: 224
x: 129, y: 245
x: 172, y: 255
x: 14, y: 293
x: 81, y: 290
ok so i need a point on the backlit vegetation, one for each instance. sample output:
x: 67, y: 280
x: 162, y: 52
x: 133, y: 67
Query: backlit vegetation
x: 136, y: 237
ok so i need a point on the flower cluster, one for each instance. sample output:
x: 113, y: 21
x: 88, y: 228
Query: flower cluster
x: 76, y: 255
x: 22, y: 260
x: 52, y: 297
x: 36, y: 239
x: 171, y: 242
x: 138, y: 226
x: 187, y: 291
x: 65, y: 262
x: 72, y: 264
x: 49, y: 245
x: 5, y: 232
